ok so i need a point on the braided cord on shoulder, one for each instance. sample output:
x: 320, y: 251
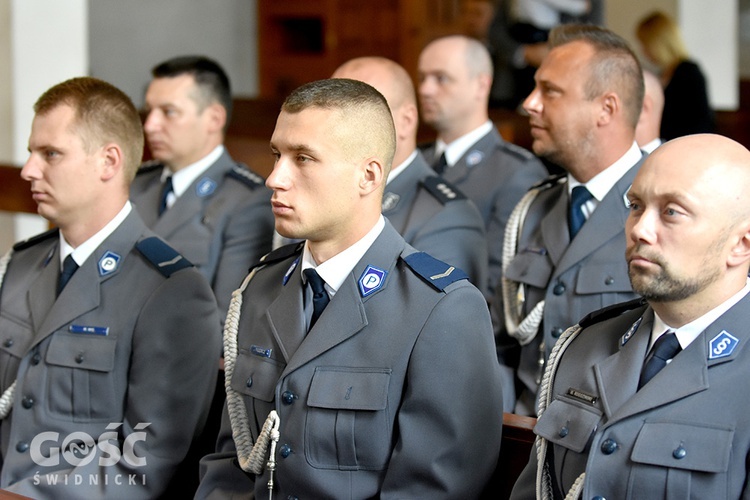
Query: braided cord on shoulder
x: 543, y: 482
x: 6, y: 400
x: 524, y: 330
x: 251, y: 456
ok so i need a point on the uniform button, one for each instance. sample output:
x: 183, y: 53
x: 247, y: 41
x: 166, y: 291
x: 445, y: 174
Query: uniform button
x: 598, y: 498
x: 559, y: 289
x: 292, y: 497
x: 22, y: 447
x: 249, y: 382
x: 8, y: 343
x: 609, y: 446
x: 556, y: 332
x: 35, y: 359
x: 285, y: 451
x: 563, y: 432
x: 79, y: 359
x: 609, y: 280
x: 27, y: 402
x: 288, y: 397
x: 679, y: 453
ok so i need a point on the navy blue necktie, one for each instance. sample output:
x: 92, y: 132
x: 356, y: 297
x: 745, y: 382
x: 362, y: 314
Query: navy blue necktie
x: 165, y: 190
x: 665, y: 348
x: 441, y: 164
x: 69, y: 267
x: 576, y: 218
x: 320, y: 297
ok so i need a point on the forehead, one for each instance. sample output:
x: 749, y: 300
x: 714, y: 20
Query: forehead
x: 312, y: 127
x: 567, y: 63
x: 172, y: 88
x: 49, y: 126
x: 443, y: 55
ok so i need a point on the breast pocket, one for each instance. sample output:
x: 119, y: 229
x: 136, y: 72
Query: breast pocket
x: 15, y: 336
x: 569, y: 423
x: 81, y: 378
x: 347, y: 426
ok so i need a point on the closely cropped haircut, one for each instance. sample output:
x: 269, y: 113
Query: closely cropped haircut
x: 210, y: 79
x: 478, y: 58
x: 103, y: 115
x: 364, y: 109
x: 614, y: 66
x: 661, y: 37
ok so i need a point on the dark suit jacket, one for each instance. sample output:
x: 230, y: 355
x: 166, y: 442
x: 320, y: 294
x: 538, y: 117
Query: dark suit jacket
x: 684, y: 435
x: 221, y: 232
x: 155, y: 366
x: 384, y: 397
x: 494, y: 174
x: 435, y: 217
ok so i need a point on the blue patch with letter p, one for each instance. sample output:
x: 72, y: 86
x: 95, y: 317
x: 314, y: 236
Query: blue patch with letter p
x: 108, y: 263
x: 371, y: 280
x: 722, y: 345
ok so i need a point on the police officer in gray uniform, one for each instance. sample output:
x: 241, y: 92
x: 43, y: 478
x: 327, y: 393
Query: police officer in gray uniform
x: 455, y: 80
x: 368, y: 357
x: 641, y: 401
x: 212, y: 209
x: 430, y: 213
x: 563, y: 252
x: 108, y: 335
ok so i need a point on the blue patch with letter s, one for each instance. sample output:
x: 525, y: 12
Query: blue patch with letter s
x: 722, y: 345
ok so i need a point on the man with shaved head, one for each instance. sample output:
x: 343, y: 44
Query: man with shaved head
x: 373, y: 361
x: 649, y: 123
x: 562, y: 254
x: 641, y: 399
x: 430, y: 213
x: 455, y: 75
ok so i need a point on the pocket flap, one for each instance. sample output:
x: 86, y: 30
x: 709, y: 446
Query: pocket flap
x: 603, y: 278
x: 86, y: 352
x: 693, y: 447
x: 530, y: 266
x: 568, y: 423
x: 349, y: 388
x: 256, y: 376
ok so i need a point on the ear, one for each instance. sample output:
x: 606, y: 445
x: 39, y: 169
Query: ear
x: 373, y: 176
x: 485, y: 85
x: 408, y: 121
x: 112, y: 161
x: 648, y: 105
x: 611, y: 106
x: 216, y: 116
x: 739, y: 254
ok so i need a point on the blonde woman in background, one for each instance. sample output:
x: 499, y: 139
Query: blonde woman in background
x: 686, y: 107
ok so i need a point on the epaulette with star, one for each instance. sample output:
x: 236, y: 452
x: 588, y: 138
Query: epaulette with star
x: 246, y: 176
x: 442, y: 190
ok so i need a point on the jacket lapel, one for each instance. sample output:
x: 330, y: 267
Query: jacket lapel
x: 285, y: 316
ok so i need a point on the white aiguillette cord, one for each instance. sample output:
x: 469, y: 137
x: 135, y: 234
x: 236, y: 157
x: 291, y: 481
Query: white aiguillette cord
x: 6, y: 400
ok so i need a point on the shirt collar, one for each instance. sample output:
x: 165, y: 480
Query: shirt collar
x: 85, y: 249
x: 395, y: 171
x: 602, y: 182
x: 686, y: 334
x: 456, y: 149
x: 183, y: 178
x: 335, y: 270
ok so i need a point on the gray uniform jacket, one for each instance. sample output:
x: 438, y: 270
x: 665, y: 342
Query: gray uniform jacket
x: 222, y: 224
x: 572, y: 277
x: 125, y: 355
x: 437, y: 218
x: 684, y: 435
x: 494, y: 174
x: 393, y: 395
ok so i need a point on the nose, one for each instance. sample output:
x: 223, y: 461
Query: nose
x: 278, y: 179
x: 152, y: 122
x: 641, y: 227
x: 30, y: 170
x: 426, y: 85
x: 533, y: 104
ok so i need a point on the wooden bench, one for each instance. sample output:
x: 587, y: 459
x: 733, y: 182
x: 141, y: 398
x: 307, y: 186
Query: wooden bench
x: 15, y: 195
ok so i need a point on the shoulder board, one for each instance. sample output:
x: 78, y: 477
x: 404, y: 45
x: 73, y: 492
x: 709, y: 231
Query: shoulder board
x: 21, y: 245
x: 246, y: 176
x: 518, y: 151
x: 281, y: 253
x: 435, y: 272
x: 610, y: 312
x: 150, y: 166
x: 441, y: 189
x: 164, y: 258
x: 552, y: 180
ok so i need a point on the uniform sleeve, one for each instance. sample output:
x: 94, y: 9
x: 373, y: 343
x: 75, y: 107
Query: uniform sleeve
x: 450, y: 421
x: 525, y: 487
x: 248, y: 237
x: 171, y: 379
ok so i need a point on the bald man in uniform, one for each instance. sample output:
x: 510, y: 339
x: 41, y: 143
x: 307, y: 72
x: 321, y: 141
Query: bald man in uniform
x: 642, y: 398
x: 430, y: 213
x: 649, y: 123
x: 455, y: 79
